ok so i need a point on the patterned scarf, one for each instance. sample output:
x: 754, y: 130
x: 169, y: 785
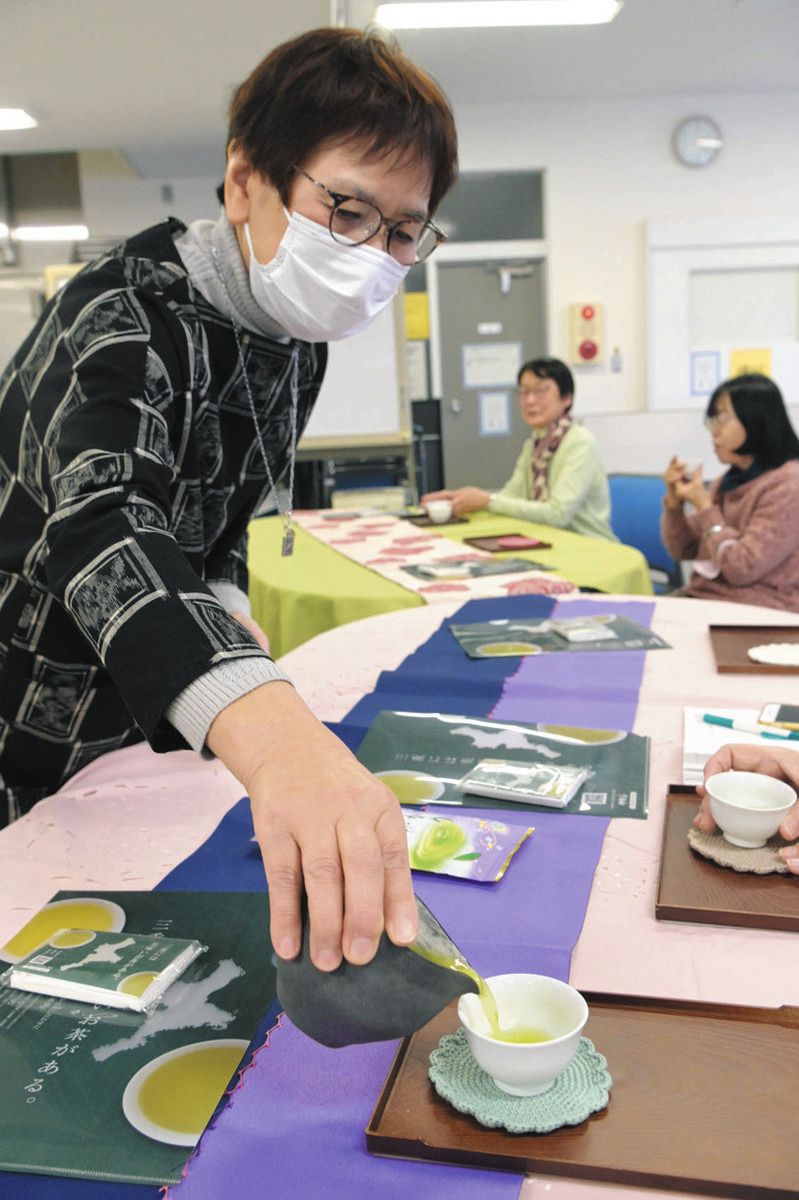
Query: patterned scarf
x: 544, y: 446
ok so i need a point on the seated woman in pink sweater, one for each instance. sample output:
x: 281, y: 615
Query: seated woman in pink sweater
x: 743, y: 534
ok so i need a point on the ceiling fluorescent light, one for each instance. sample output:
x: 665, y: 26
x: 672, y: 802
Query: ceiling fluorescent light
x: 50, y: 233
x: 3, y: 231
x: 16, y: 118
x: 480, y: 14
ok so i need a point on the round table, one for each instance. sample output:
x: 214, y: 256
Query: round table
x: 106, y: 828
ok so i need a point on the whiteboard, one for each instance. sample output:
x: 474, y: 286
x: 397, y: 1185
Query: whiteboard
x: 363, y: 398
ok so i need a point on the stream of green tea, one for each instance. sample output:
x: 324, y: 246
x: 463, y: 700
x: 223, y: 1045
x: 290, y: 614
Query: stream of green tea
x: 521, y: 1034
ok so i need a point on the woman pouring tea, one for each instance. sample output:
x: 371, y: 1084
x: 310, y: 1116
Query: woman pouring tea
x: 154, y: 406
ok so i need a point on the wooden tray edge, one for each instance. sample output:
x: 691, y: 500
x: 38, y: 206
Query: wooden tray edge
x: 787, y: 923
x: 749, y: 667
x: 416, y: 1149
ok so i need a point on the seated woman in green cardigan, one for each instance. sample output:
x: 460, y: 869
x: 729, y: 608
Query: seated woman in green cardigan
x: 558, y: 479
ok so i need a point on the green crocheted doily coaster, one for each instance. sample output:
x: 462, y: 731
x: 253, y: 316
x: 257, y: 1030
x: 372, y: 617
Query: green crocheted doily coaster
x: 581, y: 1090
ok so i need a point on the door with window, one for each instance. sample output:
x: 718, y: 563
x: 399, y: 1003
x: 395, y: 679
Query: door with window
x: 491, y: 319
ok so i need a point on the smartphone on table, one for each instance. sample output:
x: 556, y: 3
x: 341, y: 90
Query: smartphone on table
x: 786, y: 716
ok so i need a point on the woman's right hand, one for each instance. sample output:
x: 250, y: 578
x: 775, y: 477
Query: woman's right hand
x: 445, y: 494
x: 323, y: 823
x: 777, y: 761
x: 676, y: 472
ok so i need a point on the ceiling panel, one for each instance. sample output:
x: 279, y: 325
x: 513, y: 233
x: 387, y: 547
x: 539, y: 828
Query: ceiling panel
x: 153, y: 78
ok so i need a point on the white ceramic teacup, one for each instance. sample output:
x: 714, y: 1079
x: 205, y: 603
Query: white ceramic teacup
x: 747, y: 807
x: 439, y: 511
x: 524, y: 1001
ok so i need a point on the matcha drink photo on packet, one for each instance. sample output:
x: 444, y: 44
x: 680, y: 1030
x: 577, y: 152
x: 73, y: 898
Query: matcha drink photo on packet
x: 465, y: 847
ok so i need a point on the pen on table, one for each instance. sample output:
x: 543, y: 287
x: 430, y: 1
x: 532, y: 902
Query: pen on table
x: 780, y: 735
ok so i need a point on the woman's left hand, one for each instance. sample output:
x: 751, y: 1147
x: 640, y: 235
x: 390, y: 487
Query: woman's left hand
x: 469, y: 499
x: 693, y: 490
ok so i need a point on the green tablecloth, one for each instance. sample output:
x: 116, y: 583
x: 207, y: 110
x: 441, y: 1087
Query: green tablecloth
x: 316, y: 589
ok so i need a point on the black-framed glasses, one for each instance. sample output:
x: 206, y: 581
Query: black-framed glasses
x: 354, y: 221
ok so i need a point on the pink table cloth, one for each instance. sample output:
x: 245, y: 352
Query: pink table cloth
x: 127, y: 819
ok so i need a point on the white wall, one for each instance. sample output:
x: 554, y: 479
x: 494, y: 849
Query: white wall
x: 609, y: 169
x: 119, y: 206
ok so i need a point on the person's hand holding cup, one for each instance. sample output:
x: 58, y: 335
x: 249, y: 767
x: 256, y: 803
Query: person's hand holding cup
x: 767, y: 764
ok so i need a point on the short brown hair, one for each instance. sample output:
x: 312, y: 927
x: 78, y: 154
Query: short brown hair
x: 342, y: 85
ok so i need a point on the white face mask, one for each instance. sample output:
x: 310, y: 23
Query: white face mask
x: 318, y: 289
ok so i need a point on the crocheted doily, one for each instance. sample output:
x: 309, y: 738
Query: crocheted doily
x: 763, y: 861
x: 582, y: 1089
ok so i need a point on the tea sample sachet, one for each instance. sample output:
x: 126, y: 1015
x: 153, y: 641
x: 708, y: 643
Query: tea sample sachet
x: 474, y: 848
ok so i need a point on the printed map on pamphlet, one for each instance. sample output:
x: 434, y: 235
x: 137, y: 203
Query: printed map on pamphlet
x: 102, y: 1093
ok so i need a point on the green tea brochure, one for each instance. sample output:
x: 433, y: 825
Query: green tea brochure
x: 130, y: 970
x: 515, y: 637
x: 536, y: 783
x: 467, y: 847
x: 472, y: 568
x: 423, y: 757
x: 92, y: 1092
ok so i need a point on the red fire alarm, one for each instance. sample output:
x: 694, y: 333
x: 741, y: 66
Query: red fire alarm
x: 586, y: 341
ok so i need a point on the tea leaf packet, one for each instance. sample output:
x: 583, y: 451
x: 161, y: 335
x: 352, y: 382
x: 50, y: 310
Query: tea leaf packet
x: 537, y: 783
x: 584, y: 629
x: 465, y: 847
x: 120, y: 970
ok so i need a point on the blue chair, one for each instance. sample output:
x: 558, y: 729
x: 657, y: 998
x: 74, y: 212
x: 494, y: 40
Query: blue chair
x: 636, y: 503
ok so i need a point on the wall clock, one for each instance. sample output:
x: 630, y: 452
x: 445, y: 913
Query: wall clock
x: 696, y: 141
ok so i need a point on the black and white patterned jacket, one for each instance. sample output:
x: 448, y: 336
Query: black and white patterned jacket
x: 129, y: 470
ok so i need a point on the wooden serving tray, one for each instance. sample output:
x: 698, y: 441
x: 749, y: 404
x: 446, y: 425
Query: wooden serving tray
x: 731, y: 642
x: 424, y: 522
x: 491, y: 544
x: 704, y: 1099
x: 692, y: 888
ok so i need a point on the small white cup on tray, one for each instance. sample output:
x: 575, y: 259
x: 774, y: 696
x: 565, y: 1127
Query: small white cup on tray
x: 523, y: 1001
x: 439, y: 511
x: 748, y: 807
